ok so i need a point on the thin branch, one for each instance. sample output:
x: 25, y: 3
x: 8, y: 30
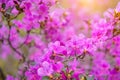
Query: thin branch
x: 2, y: 76
x: 24, y: 41
x: 9, y: 42
x: 16, y: 16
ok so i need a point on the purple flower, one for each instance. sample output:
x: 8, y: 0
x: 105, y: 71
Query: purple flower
x: 46, y: 69
x: 9, y: 77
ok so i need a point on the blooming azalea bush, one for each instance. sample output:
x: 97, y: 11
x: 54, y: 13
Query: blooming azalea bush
x: 50, y: 44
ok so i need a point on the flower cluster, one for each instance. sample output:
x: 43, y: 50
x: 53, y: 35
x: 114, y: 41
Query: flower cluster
x: 49, y: 43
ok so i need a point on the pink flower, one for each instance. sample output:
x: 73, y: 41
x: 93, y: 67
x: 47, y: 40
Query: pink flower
x: 46, y: 69
x: 118, y: 7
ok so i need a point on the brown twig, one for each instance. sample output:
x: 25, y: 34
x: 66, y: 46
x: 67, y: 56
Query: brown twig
x: 24, y: 41
x: 2, y: 76
x: 9, y: 42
